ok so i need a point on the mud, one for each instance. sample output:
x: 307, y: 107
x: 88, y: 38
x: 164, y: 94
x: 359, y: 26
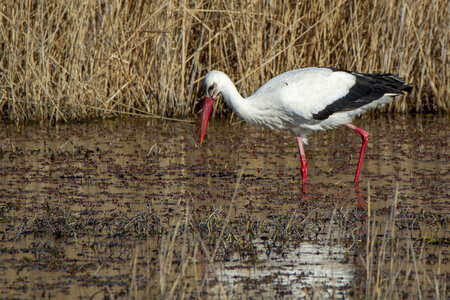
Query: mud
x: 80, y: 203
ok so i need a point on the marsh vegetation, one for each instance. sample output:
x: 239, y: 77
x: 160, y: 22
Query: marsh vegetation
x: 72, y: 60
x: 134, y: 208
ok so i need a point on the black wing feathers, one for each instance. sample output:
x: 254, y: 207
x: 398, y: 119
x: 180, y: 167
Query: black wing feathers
x: 367, y: 88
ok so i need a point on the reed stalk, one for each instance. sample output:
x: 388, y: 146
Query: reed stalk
x: 72, y: 60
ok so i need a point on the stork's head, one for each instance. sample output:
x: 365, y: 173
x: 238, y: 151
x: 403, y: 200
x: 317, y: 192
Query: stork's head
x: 211, y: 87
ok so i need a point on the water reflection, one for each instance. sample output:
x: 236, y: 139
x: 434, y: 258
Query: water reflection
x: 140, y: 159
x: 324, y: 270
x: 133, y: 165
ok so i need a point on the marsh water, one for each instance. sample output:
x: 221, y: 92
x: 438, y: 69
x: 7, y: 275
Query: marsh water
x: 120, y: 168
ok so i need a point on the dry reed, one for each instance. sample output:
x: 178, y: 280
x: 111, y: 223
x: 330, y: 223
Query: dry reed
x: 397, y: 266
x: 70, y: 60
x: 396, y: 263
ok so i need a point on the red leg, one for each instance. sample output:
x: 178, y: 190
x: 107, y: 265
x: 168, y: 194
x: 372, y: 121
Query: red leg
x: 365, y: 137
x: 358, y: 194
x: 304, y: 167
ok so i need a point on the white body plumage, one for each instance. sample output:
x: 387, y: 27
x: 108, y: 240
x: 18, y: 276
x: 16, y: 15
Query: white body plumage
x: 289, y: 100
x: 306, y: 100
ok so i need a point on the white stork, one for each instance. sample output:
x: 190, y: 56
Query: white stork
x: 306, y: 100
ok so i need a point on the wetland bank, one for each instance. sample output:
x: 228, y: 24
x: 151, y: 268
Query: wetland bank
x: 136, y: 208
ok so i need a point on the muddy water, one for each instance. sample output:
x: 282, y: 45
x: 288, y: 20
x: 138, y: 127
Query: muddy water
x: 124, y: 167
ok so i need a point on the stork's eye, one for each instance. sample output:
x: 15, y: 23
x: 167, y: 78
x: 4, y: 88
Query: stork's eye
x: 210, y: 89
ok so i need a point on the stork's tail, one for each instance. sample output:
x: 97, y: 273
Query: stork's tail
x: 389, y: 83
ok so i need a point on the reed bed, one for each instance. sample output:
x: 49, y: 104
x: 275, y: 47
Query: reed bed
x: 72, y: 60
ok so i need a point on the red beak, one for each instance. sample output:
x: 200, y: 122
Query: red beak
x: 207, y: 109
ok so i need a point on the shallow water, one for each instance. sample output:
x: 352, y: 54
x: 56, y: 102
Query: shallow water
x: 308, y: 265
x: 134, y: 165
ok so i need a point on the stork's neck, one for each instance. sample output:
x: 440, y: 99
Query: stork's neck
x: 234, y: 99
x: 257, y: 109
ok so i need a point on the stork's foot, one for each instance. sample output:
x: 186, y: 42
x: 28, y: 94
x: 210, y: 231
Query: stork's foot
x: 358, y: 195
x: 304, y: 171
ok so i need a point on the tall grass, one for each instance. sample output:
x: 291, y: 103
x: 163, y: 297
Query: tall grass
x: 397, y: 265
x: 396, y: 261
x: 74, y: 59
